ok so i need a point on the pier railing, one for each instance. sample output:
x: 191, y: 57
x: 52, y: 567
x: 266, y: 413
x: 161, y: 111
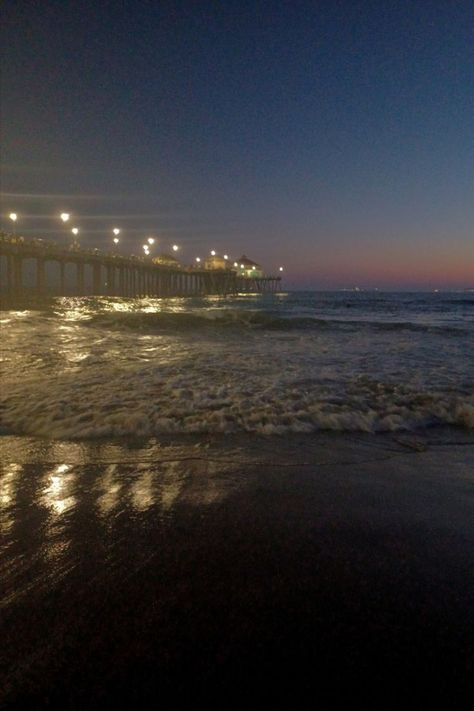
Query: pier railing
x: 98, y: 273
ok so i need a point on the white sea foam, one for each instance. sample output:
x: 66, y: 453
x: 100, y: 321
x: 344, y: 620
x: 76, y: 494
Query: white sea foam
x: 84, y: 372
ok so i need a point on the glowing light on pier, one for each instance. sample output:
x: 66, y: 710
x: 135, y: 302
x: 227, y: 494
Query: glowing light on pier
x: 116, y: 231
x: 13, y: 216
x: 65, y: 216
x: 226, y: 256
x: 213, y: 252
x: 75, y: 230
x: 151, y: 240
x: 175, y: 248
x: 281, y: 269
x: 197, y: 282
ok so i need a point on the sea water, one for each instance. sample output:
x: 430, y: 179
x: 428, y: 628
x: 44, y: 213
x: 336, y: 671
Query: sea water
x: 300, y: 362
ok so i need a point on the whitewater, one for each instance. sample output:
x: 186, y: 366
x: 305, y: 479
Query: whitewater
x: 301, y: 362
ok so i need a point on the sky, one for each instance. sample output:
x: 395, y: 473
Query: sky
x: 333, y: 137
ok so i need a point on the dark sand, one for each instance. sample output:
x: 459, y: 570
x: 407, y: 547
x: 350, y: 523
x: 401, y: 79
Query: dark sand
x: 255, y: 570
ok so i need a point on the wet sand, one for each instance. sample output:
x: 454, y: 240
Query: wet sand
x: 238, y: 571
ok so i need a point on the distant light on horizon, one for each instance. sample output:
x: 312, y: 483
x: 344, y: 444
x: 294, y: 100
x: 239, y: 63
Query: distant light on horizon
x: 151, y: 240
x: 116, y: 231
x: 281, y: 269
x: 65, y: 216
x: 75, y: 230
x: 13, y: 216
x: 175, y: 248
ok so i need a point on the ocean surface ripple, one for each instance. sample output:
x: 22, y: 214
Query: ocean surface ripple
x: 299, y: 362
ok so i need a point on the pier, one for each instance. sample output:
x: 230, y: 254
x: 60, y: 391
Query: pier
x: 56, y: 271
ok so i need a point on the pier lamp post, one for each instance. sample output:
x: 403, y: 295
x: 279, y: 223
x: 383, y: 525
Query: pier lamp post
x: 75, y: 232
x: 226, y: 257
x: 213, y: 252
x: 175, y: 248
x: 64, y: 216
x: 13, y: 217
x: 281, y: 269
x: 151, y: 242
x: 146, y: 249
x: 116, y: 240
x: 198, y: 260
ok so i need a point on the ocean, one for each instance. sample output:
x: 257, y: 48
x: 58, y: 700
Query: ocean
x: 249, y: 497
x: 300, y: 362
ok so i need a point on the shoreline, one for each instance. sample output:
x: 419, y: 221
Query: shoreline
x: 237, y: 569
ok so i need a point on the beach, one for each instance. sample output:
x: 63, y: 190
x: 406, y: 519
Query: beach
x: 259, y: 568
x: 230, y: 499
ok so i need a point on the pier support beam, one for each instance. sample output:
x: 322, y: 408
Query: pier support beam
x: 40, y: 275
x: 110, y: 271
x: 123, y: 276
x: 96, y: 279
x: 9, y: 273
x: 62, y: 279
x: 17, y: 274
x: 80, y: 278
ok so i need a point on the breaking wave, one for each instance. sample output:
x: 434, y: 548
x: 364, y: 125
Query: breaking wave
x: 92, y: 368
x: 246, y: 319
x: 149, y: 403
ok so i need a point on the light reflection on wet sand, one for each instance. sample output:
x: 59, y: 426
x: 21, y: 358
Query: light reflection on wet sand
x: 9, y: 481
x: 54, y: 511
x: 109, y: 490
x: 143, y: 490
x: 154, y: 566
x: 57, y: 493
x: 171, y: 486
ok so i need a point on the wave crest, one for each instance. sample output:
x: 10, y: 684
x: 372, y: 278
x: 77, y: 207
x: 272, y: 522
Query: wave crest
x: 235, y: 319
x: 76, y: 407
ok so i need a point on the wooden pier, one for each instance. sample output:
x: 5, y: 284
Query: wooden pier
x: 97, y: 273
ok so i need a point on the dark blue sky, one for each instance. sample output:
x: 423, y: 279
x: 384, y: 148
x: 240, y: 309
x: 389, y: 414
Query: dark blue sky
x: 335, y: 137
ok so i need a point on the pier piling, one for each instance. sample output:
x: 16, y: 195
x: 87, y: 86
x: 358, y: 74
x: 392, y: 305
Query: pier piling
x: 114, y: 274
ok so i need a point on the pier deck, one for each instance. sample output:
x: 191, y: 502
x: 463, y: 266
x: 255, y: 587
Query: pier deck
x: 98, y: 273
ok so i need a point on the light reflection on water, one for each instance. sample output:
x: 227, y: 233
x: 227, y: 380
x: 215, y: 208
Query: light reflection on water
x: 81, y: 308
x: 108, y: 367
